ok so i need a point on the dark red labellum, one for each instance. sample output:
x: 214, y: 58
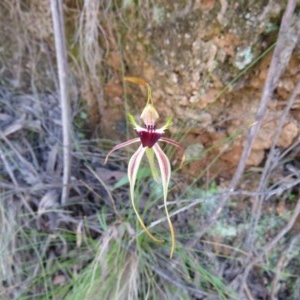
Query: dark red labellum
x: 149, y: 138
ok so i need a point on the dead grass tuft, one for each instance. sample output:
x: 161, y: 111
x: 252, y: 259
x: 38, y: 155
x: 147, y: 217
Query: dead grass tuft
x: 124, y: 273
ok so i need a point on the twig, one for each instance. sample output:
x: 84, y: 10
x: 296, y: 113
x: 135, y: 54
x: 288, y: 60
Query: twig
x: 248, y: 293
x: 288, y: 37
x: 259, y: 199
x: 275, y: 70
x: 240, y: 280
x: 283, y: 261
x: 193, y: 202
x: 61, y: 54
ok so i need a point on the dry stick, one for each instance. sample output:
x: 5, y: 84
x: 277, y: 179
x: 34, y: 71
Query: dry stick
x: 275, y: 71
x: 289, y: 225
x: 61, y: 54
x: 255, y: 260
x: 287, y: 254
x: 279, y: 61
x: 267, y: 171
x: 191, y: 203
x: 288, y: 37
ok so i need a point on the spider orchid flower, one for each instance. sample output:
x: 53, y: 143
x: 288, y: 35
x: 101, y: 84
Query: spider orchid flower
x: 148, y: 137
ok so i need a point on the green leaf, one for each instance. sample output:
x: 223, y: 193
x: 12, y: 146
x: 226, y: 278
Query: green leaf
x: 142, y: 174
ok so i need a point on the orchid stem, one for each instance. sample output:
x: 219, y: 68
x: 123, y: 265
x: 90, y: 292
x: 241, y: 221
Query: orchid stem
x: 143, y: 83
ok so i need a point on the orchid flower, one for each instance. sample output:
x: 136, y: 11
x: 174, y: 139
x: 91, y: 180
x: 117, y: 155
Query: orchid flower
x: 148, y: 137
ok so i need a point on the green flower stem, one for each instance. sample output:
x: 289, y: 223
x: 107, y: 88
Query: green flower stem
x: 151, y: 159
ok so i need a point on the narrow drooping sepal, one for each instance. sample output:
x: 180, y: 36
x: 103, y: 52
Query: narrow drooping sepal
x: 172, y: 142
x: 133, y: 167
x: 176, y: 144
x: 119, y: 146
x: 165, y: 172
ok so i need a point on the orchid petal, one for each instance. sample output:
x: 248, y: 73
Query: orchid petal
x: 134, y: 123
x: 170, y: 141
x: 119, y: 146
x: 133, y: 167
x: 167, y: 125
x: 165, y: 171
x: 176, y: 144
x: 150, y: 156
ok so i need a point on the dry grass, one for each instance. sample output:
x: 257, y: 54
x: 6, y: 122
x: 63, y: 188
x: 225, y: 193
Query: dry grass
x: 92, y: 246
